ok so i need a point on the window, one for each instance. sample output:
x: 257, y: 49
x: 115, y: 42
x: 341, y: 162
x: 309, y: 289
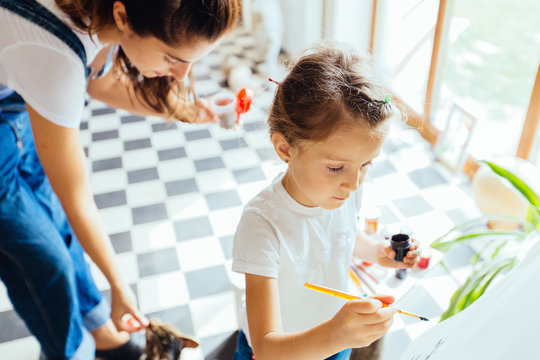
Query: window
x: 489, y: 66
x: 403, y: 46
x: 535, y: 152
x: 480, y: 54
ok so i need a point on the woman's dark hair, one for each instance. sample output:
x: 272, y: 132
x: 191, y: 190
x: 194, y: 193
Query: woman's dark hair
x: 173, y: 22
x: 329, y: 86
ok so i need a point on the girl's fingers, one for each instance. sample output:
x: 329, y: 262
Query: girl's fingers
x: 390, y: 253
x: 385, y: 299
x: 381, y: 316
x: 364, y: 306
x: 382, y: 327
x: 415, y: 244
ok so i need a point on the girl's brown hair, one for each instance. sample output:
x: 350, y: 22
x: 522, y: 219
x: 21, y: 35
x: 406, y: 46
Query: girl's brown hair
x: 173, y: 22
x: 329, y: 86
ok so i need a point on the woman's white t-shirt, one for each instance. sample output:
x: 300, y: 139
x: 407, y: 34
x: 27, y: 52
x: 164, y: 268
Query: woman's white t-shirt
x: 279, y: 238
x: 42, y: 68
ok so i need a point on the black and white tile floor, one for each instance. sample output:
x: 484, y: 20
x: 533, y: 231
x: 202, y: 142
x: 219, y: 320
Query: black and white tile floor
x: 170, y: 196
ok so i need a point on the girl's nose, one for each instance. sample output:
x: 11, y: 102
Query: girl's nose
x: 351, y: 183
x: 179, y: 71
x: 354, y: 181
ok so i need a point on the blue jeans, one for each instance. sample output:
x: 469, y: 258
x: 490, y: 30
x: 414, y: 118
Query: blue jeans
x: 41, y: 261
x: 244, y: 351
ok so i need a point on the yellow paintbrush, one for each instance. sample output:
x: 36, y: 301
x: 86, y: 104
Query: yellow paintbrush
x: 346, y: 296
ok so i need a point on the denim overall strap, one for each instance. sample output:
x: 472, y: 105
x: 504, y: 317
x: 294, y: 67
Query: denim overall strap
x: 11, y: 101
x: 41, y: 262
x: 40, y: 15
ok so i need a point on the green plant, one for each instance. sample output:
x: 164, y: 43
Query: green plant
x: 499, y: 248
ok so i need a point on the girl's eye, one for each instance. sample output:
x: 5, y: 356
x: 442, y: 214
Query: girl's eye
x: 366, y: 164
x: 335, y: 169
x: 169, y: 61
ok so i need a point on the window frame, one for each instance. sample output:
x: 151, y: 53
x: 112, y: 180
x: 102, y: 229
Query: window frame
x: 422, y: 121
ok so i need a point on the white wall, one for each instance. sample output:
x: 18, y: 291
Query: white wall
x: 303, y: 21
x: 307, y: 21
x: 349, y: 21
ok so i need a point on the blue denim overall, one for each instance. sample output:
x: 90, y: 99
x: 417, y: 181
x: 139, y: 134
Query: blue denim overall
x: 41, y: 261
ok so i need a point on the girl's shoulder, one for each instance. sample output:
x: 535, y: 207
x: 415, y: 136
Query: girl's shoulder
x: 264, y: 201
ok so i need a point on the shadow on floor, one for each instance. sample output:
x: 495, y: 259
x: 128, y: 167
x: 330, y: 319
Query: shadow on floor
x: 225, y: 350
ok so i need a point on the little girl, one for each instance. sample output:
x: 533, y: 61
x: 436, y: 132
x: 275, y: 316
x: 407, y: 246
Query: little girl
x: 328, y: 122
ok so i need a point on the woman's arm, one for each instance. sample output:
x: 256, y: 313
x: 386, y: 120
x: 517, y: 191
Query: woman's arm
x: 358, y: 323
x: 61, y: 155
x: 118, y: 93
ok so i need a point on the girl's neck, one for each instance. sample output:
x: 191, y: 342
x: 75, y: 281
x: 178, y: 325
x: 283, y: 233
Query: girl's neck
x: 288, y: 185
x: 108, y: 35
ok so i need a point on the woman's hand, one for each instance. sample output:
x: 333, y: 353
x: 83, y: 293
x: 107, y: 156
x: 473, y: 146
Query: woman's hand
x: 195, y: 113
x: 385, y: 256
x: 124, y: 313
x: 206, y: 114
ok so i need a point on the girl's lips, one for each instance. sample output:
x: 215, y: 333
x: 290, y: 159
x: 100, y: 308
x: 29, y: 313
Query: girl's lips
x: 159, y: 74
x: 340, y: 198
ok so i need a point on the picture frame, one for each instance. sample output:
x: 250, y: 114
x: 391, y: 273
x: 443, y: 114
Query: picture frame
x: 451, y: 148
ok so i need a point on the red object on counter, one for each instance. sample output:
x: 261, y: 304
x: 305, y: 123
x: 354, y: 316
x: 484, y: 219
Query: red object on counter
x: 424, y: 262
x: 243, y: 102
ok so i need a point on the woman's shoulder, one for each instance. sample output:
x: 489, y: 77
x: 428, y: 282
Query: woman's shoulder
x: 17, y: 30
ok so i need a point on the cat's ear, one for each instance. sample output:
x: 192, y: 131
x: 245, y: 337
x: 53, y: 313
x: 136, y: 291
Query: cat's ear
x: 189, y: 343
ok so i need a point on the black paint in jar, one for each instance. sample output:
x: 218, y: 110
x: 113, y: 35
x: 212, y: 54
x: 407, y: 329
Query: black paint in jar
x: 400, y: 243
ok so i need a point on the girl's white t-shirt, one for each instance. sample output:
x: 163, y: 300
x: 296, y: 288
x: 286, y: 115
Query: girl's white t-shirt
x: 279, y: 238
x: 42, y: 68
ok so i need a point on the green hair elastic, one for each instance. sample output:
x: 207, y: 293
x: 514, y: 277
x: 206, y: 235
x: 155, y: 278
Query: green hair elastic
x: 387, y: 98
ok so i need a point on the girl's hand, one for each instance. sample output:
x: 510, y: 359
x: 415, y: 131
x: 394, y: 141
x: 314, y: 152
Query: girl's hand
x: 124, y: 313
x: 385, y: 256
x: 360, y: 322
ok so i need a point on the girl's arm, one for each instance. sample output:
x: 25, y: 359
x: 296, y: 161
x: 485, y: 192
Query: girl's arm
x: 61, y: 155
x: 118, y: 93
x: 357, y: 324
x: 370, y: 250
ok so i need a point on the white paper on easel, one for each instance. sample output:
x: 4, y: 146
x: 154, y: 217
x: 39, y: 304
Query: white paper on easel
x: 504, y: 323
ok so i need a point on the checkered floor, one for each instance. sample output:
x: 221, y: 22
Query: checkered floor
x: 170, y: 196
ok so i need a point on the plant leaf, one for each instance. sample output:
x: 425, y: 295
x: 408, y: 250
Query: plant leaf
x: 496, y: 252
x: 452, y: 233
x: 533, y: 216
x: 519, y: 184
x: 456, y: 301
x: 475, y: 285
x: 447, y: 245
x: 453, y: 307
x: 491, y: 273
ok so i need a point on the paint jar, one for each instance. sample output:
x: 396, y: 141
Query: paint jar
x: 371, y: 220
x: 400, y: 243
x: 401, y: 274
x: 224, y: 105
